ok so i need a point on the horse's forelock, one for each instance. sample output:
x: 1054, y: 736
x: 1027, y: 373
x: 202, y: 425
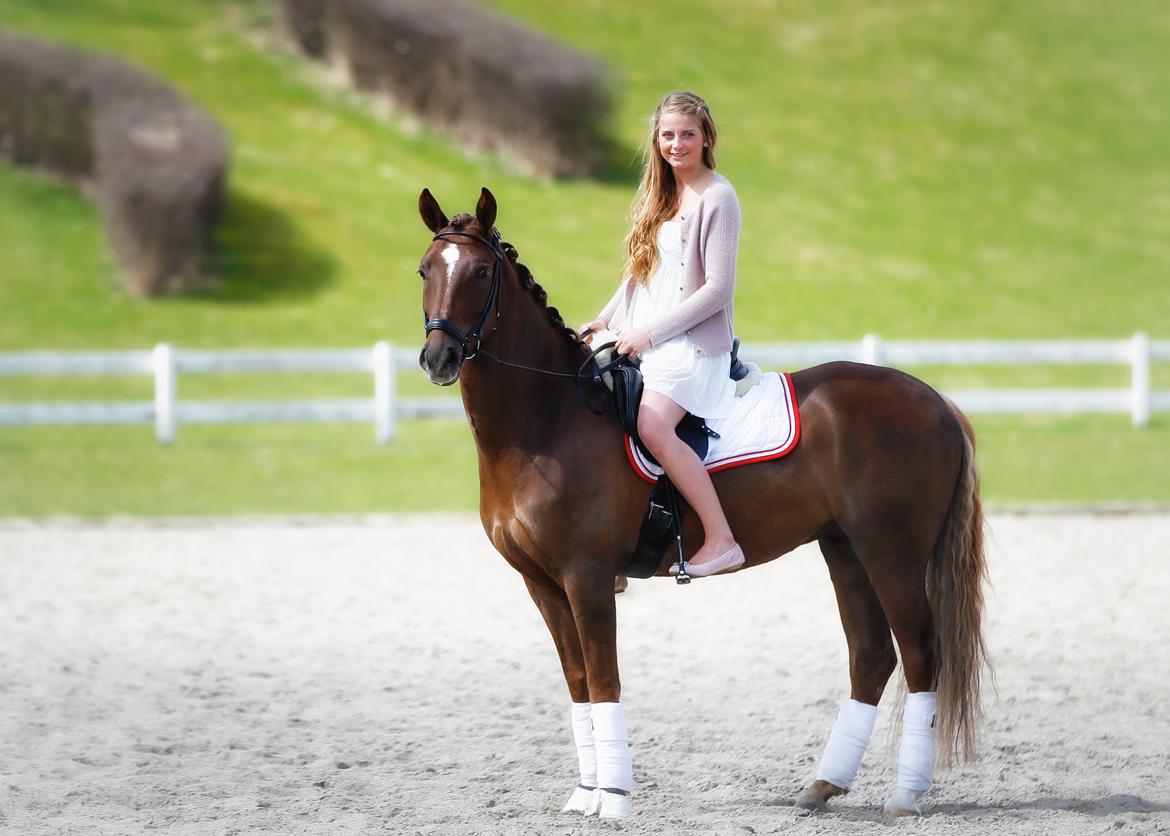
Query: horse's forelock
x: 463, y: 219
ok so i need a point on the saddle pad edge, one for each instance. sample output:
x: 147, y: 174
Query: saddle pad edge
x: 716, y: 465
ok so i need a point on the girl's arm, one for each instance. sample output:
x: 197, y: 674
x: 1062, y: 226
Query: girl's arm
x: 719, y: 252
x: 612, y: 304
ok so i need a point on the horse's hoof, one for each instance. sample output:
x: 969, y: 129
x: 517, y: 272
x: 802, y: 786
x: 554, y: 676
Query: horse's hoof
x: 580, y: 801
x: 816, y: 798
x: 904, y: 803
x: 809, y: 808
x: 609, y: 805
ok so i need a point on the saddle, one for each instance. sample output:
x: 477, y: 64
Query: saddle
x: 663, y: 521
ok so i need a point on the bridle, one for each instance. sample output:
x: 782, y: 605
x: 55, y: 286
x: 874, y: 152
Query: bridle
x: 493, y: 299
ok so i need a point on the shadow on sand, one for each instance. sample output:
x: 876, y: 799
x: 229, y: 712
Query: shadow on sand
x: 1110, y: 805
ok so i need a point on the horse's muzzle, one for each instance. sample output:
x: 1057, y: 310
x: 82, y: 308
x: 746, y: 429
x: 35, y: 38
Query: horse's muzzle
x: 441, y: 358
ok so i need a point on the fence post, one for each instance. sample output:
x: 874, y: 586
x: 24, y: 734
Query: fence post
x: 384, y: 386
x: 165, y: 393
x: 1140, y: 397
x: 871, y: 349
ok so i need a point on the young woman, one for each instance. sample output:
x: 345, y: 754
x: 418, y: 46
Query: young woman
x: 673, y: 307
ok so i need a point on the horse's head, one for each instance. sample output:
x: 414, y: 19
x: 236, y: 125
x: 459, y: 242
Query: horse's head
x: 461, y: 272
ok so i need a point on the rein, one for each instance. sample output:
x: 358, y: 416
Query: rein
x: 493, y: 298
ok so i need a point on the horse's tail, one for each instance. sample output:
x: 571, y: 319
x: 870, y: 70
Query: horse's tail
x: 954, y: 587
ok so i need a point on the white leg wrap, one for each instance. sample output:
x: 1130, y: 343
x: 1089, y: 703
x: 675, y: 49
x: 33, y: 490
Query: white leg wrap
x: 582, y: 798
x: 847, y: 741
x: 586, y: 750
x: 615, y: 768
x: 916, y: 755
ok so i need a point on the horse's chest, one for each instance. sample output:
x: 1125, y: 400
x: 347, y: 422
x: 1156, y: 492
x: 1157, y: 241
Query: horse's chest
x: 525, y: 505
x: 524, y: 533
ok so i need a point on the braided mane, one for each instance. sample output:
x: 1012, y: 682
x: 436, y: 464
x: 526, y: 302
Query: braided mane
x: 537, y: 292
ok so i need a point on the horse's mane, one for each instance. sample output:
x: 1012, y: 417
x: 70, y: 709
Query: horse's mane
x: 528, y: 283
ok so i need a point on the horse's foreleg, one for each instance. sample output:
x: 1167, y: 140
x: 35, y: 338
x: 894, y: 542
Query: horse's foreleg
x: 591, y: 596
x: 871, y: 661
x: 558, y: 615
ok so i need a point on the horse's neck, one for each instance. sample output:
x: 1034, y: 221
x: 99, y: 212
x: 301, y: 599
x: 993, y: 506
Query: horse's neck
x: 512, y: 408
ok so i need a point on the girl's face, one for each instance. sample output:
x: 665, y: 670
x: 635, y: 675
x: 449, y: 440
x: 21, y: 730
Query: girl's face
x: 680, y: 142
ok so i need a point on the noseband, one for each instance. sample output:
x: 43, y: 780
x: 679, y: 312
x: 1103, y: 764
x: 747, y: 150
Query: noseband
x: 493, y: 298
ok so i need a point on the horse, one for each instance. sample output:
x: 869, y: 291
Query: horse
x: 883, y: 479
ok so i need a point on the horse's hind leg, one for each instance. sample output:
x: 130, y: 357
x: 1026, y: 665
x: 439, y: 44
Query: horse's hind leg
x: 871, y: 661
x: 896, y: 561
x: 558, y: 615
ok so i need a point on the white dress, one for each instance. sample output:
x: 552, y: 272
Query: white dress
x: 699, y: 384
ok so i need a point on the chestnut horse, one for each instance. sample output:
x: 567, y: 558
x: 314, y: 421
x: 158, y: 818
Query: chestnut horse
x: 883, y: 479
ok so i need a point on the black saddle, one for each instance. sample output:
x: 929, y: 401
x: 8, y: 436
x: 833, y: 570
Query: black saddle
x: 627, y: 398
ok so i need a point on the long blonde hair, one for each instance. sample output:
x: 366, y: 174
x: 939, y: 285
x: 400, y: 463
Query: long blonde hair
x: 657, y: 197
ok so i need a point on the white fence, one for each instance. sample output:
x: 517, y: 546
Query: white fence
x: 166, y: 363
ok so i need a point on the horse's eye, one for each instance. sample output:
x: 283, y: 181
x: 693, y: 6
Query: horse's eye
x: 422, y: 274
x: 482, y: 272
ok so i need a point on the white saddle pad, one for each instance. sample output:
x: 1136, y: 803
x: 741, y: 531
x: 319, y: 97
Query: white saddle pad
x: 765, y: 425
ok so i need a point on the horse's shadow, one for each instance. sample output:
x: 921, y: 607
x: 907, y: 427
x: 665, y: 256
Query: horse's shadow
x: 1110, y: 805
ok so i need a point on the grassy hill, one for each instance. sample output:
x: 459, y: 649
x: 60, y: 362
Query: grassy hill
x: 921, y: 169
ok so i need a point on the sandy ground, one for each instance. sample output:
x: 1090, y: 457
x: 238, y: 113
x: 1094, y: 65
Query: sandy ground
x: 391, y: 676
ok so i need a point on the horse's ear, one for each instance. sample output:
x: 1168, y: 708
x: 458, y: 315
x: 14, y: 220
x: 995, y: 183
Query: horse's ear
x: 485, y: 211
x: 432, y: 215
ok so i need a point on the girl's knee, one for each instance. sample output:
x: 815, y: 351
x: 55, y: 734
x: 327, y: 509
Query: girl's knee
x: 653, y: 430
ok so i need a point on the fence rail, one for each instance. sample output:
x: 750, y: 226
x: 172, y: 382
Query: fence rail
x: 165, y: 364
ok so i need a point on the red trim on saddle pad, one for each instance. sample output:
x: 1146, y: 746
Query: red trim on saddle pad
x: 785, y: 447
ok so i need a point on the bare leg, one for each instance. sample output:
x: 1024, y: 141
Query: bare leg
x: 657, y: 419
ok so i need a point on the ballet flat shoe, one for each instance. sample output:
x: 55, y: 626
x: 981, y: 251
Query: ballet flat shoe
x: 730, y: 559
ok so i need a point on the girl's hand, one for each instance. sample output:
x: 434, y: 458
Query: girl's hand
x: 586, y: 330
x: 633, y: 342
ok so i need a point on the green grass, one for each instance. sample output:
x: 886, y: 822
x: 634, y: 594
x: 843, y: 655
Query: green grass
x: 337, y: 468
x: 920, y: 170
x: 1076, y: 459
x: 91, y: 471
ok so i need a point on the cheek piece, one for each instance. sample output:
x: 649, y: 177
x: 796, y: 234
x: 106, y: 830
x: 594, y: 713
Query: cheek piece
x: 493, y: 298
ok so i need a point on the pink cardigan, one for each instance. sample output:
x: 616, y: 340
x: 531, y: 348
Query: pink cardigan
x: 710, y: 241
